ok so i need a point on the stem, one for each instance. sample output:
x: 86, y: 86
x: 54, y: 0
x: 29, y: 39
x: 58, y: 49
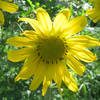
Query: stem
x: 31, y: 4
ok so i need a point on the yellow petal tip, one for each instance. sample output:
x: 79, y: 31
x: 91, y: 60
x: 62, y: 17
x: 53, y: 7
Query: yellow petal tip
x: 40, y: 9
x: 96, y: 58
x: 32, y: 88
x: 75, y: 88
x: 19, y: 20
x: 17, y: 78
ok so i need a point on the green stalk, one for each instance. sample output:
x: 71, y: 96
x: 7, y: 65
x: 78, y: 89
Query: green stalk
x: 31, y: 4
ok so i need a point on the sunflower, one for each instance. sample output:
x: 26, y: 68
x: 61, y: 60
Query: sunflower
x: 9, y: 7
x: 50, y: 47
x: 94, y: 13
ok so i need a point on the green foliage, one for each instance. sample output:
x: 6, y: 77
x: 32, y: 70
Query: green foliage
x: 89, y: 83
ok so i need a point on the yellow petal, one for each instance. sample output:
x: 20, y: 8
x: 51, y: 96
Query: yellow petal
x: 69, y: 81
x: 61, y: 19
x: 46, y: 69
x: 29, y: 68
x: 84, y: 40
x: 46, y: 83
x: 10, y: 0
x: 58, y: 76
x: 83, y: 54
x: 90, y: 11
x: 97, y: 4
x: 74, y: 26
x: 1, y: 18
x: 32, y: 59
x: 75, y: 65
x: 38, y: 78
x: 19, y: 55
x: 30, y: 34
x: 9, y: 7
x: 58, y: 80
x: 20, y: 41
x: 34, y: 23
x: 44, y: 20
x: 93, y: 14
x: 25, y: 73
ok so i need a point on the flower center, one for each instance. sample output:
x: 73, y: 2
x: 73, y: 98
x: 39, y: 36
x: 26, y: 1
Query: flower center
x: 51, y: 49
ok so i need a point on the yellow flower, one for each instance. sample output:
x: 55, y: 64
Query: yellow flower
x: 9, y: 7
x: 49, y: 47
x: 94, y: 13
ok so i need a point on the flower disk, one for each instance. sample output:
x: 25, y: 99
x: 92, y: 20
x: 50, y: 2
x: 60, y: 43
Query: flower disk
x: 49, y: 47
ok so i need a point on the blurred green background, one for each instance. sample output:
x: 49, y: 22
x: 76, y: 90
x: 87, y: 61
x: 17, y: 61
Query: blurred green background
x: 89, y: 83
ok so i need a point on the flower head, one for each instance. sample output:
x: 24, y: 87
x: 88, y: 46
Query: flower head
x: 49, y: 47
x: 94, y: 13
x: 9, y: 7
